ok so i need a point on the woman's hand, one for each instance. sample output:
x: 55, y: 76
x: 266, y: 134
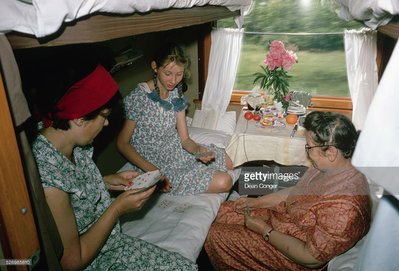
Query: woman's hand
x: 244, y: 202
x: 132, y: 200
x: 164, y: 184
x: 208, y: 158
x: 119, y: 181
x: 255, y: 223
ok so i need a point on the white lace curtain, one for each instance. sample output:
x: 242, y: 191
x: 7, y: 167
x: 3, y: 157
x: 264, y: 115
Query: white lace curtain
x: 360, y: 53
x: 222, y: 69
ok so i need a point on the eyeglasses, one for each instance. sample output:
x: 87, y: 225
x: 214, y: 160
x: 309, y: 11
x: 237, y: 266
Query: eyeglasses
x: 308, y: 147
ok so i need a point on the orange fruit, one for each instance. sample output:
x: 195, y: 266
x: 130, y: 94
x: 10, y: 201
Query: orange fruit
x: 291, y: 118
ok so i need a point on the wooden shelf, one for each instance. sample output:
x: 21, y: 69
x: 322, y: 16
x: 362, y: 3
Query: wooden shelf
x: 391, y: 29
x: 101, y: 27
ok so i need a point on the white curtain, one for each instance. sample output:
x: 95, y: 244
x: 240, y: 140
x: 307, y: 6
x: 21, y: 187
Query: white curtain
x: 222, y: 69
x: 377, y: 150
x: 361, y: 66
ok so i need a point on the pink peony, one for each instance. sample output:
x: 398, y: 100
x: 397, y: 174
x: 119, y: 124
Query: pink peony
x: 274, y: 77
x: 273, y: 60
x: 277, y: 46
x: 279, y: 57
x: 289, y: 59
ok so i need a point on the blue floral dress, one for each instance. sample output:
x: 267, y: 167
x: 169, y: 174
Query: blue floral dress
x: 157, y: 140
x: 89, y: 199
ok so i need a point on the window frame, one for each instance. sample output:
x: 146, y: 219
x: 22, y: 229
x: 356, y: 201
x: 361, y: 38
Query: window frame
x: 321, y: 103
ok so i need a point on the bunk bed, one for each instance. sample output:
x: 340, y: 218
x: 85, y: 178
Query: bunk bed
x: 30, y: 24
x: 64, y: 22
x: 24, y: 27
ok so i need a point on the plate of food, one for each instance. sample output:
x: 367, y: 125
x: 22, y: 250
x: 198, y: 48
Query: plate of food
x: 145, y: 180
x: 299, y: 110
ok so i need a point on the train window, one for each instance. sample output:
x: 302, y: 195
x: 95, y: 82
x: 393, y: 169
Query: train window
x: 310, y: 28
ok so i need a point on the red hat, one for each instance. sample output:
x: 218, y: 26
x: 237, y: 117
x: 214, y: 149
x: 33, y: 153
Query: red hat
x: 87, y: 95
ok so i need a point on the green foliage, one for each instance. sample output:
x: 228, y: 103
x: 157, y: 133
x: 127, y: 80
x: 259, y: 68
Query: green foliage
x: 321, y: 73
x: 289, y: 16
x: 321, y: 65
x: 275, y: 82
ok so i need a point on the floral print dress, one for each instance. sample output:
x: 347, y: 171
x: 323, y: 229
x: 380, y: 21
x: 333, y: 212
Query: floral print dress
x: 89, y: 199
x: 157, y: 140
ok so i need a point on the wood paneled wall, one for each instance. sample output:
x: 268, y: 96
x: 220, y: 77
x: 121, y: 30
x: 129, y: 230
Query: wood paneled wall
x: 18, y: 234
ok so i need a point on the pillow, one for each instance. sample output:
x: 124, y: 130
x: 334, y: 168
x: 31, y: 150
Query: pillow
x: 189, y: 120
x: 208, y: 137
x: 227, y: 122
x: 214, y: 120
x: 205, y: 119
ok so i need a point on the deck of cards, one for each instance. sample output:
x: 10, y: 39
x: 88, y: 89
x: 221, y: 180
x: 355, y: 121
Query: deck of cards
x: 145, y: 180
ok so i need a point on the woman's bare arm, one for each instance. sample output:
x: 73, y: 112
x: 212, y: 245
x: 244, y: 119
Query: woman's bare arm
x: 128, y: 151
x: 187, y: 143
x: 291, y: 247
x: 265, y: 201
x: 79, y: 251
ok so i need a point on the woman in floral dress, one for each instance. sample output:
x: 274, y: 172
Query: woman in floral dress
x: 155, y: 134
x: 304, y: 226
x: 85, y: 215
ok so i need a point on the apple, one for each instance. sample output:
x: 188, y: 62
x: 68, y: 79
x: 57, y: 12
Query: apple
x: 248, y: 115
x: 256, y: 117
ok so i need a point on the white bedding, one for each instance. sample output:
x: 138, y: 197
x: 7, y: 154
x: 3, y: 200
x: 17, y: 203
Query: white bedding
x: 179, y: 223
x: 175, y: 223
x: 44, y: 17
x: 373, y: 13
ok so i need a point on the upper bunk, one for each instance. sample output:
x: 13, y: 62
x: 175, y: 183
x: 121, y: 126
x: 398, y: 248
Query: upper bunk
x: 32, y: 23
x: 377, y: 15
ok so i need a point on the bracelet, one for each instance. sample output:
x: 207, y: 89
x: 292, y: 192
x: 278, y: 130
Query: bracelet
x: 266, y: 235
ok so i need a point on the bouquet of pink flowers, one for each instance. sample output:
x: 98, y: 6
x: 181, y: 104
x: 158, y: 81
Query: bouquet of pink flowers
x: 274, y: 77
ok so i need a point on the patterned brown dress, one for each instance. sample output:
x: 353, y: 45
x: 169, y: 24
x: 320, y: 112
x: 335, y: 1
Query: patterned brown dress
x: 329, y: 214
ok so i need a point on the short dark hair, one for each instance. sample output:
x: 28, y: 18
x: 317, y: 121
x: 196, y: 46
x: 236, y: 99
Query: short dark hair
x: 330, y: 128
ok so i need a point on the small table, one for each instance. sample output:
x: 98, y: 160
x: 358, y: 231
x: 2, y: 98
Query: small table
x: 252, y: 141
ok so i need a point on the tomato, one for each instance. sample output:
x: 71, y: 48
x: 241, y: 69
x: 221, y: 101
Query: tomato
x: 248, y: 115
x: 256, y: 117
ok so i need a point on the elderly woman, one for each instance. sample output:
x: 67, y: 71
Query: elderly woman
x: 304, y: 226
x: 85, y: 214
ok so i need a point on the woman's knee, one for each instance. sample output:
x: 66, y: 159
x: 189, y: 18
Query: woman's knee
x: 221, y: 182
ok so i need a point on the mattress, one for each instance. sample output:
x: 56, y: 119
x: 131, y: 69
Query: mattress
x: 179, y: 223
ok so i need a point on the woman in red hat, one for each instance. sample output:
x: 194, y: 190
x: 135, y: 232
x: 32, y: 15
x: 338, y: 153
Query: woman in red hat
x: 85, y: 214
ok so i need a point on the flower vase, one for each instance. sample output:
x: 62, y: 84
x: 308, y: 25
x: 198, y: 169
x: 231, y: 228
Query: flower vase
x: 278, y: 105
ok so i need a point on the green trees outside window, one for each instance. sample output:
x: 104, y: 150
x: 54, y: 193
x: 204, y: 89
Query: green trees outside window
x: 312, y: 29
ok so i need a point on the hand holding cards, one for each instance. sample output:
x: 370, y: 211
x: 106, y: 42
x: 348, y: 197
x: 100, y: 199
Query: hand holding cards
x: 145, y: 181
x: 203, y: 154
